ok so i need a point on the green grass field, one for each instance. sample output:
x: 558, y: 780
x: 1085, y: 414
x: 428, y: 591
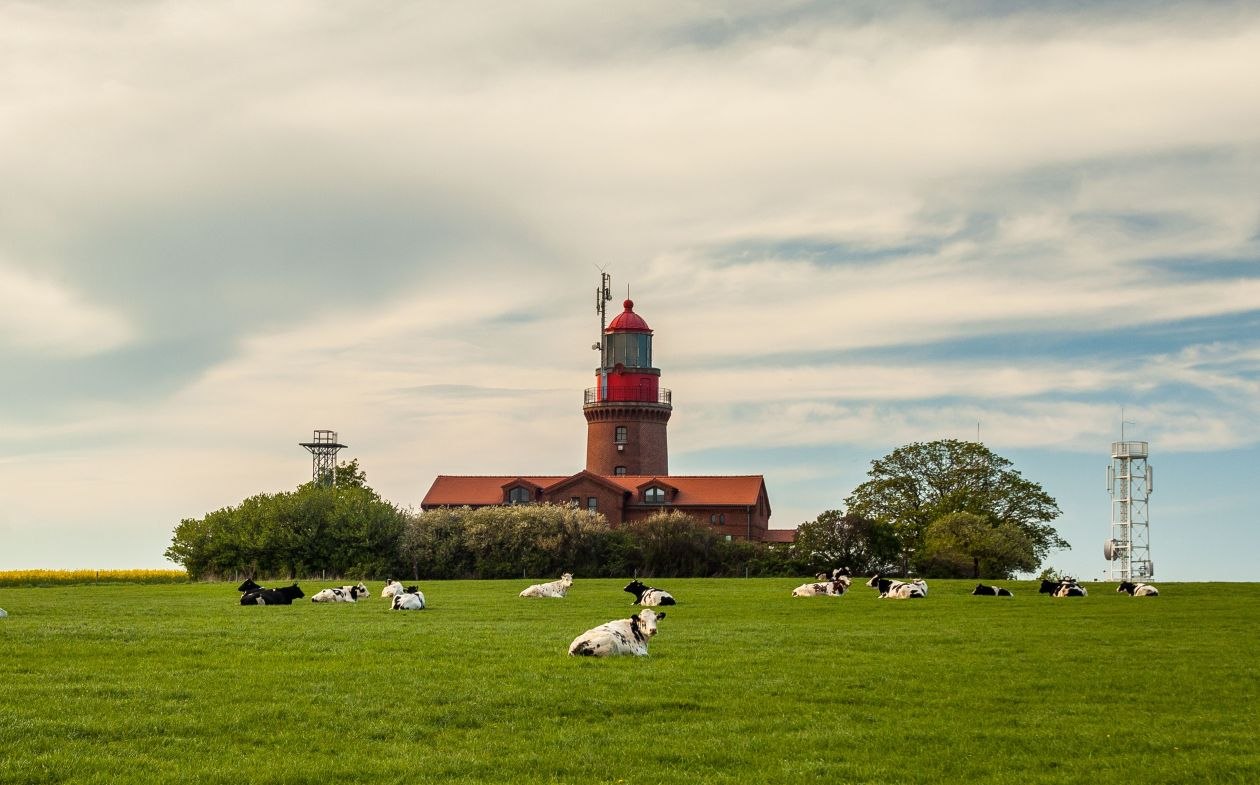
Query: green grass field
x: 131, y: 683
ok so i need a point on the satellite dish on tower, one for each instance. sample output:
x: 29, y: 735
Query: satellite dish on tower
x: 1109, y: 550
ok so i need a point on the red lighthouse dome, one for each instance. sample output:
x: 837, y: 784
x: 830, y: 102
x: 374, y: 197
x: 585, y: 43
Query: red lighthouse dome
x: 628, y: 321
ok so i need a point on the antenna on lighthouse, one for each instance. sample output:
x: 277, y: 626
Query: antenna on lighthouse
x: 602, y: 295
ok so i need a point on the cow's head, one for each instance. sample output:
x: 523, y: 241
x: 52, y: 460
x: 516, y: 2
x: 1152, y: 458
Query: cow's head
x: 979, y: 589
x: 1128, y: 586
x: 567, y: 579
x: 874, y: 581
x: 636, y: 587
x: 1049, y: 587
x: 647, y: 619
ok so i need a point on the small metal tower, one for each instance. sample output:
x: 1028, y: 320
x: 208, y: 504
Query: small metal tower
x: 1129, y: 483
x: 323, y: 448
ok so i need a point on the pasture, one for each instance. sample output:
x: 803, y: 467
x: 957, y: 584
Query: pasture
x: 178, y: 683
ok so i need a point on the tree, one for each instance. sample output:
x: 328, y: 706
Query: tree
x: 834, y: 539
x: 963, y: 544
x: 917, y: 484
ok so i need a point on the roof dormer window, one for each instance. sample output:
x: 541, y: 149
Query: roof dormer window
x: 520, y: 495
x: 654, y: 496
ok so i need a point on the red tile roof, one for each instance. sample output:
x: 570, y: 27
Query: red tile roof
x: 780, y: 535
x: 738, y: 490
x: 455, y: 491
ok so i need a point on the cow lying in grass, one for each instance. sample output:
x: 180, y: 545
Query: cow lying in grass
x: 248, y: 585
x: 827, y: 588
x: 409, y: 599
x: 898, y: 590
x: 623, y: 636
x: 1067, y: 587
x: 392, y: 588
x: 1138, y: 589
x: 554, y: 589
x: 991, y: 591
x: 341, y: 594
x: 834, y: 575
x: 3, y: 613
x: 647, y: 596
x: 282, y: 596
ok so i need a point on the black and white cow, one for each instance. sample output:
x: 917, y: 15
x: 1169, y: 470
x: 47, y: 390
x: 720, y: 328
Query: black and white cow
x: 409, y: 599
x: 392, y: 588
x: 341, y: 594
x: 3, y: 613
x: 285, y: 595
x: 622, y: 636
x: 991, y: 591
x: 898, y: 590
x: 553, y: 589
x: 1138, y: 589
x: 648, y: 596
x: 248, y: 585
x: 828, y: 588
x: 834, y: 575
x: 1067, y: 587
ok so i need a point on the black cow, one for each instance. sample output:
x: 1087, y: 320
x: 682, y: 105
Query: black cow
x: 834, y: 575
x: 249, y: 585
x: 898, y: 590
x: 285, y: 595
x: 647, y: 596
x: 1067, y: 587
x: 991, y: 591
x: 1138, y: 589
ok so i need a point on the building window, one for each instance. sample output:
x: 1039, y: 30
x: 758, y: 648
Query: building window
x: 592, y: 503
x: 654, y: 496
x: 576, y: 501
x: 717, y: 517
x: 520, y: 495
x: 619, y: 470
x: 619, y: 435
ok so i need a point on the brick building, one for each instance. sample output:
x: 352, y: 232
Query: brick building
x: 627, y: 454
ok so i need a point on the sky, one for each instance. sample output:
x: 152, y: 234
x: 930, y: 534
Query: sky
x: 851, y: 226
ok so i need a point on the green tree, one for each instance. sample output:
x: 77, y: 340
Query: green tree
x: 834, y: 539
x: 962, y: 544
x: 919, y: 483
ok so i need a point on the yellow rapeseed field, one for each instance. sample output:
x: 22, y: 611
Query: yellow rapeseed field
x: 67, y: 577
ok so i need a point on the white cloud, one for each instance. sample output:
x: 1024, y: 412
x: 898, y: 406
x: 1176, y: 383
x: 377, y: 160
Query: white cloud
x: 39, y: 315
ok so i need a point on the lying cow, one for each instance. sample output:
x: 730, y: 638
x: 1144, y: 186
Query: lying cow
x: 554, y: 589
x: 647, y: 596
x: 991, y: 591
x: 392, y: 588
x: 1138, y: 589
x: 282, y: 596
x: 248, y: 585
x: 341, y: 594
x: 3, y: 613
x: 834, y: 575
x: 898, y: 590
x: 409, y: 599
x: 1068, y: 587
x: 825, y: 589
x: 623, y: 636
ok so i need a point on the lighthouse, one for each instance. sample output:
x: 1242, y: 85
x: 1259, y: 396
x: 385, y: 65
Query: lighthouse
x: 627, y: 410
x: 627, y: 477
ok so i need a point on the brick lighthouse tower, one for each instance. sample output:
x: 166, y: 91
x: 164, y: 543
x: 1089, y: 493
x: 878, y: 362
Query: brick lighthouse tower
x: 627, y: 411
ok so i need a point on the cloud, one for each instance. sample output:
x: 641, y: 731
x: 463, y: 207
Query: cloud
x: 40, y: 316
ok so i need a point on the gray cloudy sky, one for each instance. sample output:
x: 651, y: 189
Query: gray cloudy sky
x: 224, y: 226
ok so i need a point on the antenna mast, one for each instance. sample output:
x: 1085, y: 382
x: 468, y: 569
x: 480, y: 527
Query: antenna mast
x: 603, y: 293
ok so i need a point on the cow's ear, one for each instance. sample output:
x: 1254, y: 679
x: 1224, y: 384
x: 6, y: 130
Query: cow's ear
x: 660, y: 615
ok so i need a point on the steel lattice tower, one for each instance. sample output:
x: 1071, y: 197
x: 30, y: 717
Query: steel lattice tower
x: 323, y: 448
x: 1129, y: 483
